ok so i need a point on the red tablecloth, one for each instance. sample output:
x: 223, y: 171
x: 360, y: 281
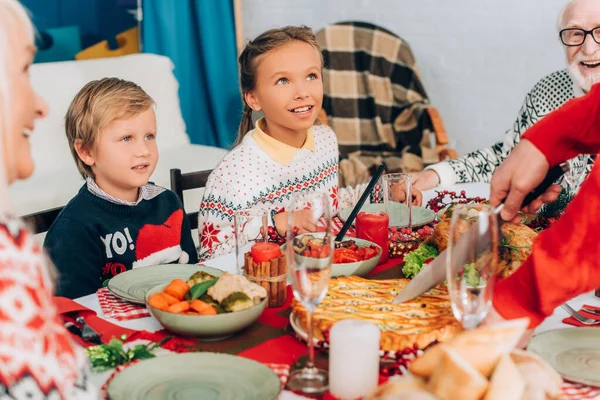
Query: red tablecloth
x: 269, y: 340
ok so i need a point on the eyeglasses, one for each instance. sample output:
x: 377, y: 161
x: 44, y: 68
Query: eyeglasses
x: 577, y: 36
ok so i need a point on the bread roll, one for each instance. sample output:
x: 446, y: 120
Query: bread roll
x: 537, y: 374
x: 481, y: 347
x: 506, y: 382
x: 456, y: 379
x: 407, y: 387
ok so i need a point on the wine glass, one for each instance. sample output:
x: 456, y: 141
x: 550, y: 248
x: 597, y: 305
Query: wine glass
x: 471, y: 263
x: 250, y: 227
x: 309, y: 269
x: 576, y: 173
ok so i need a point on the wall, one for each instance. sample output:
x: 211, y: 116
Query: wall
x: 478, y: 58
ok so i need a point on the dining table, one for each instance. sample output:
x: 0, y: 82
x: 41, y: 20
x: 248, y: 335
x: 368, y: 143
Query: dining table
x: 271, y: 340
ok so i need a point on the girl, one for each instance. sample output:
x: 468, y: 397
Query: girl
x: 37, y: 357
x: 285, y: 152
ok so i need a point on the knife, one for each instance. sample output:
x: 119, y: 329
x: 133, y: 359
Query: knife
x: 591, y: 311
x: 434, y: 273
x: 77, y: 331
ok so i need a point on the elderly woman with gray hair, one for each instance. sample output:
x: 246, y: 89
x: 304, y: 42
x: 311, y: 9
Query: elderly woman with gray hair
x: 577, y: 20
x: 38, y: 359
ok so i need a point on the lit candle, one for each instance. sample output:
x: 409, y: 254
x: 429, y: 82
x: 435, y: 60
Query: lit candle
x: 353, y: 358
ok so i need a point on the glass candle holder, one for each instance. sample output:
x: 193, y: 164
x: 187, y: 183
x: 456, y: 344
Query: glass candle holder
x: 374, y: 227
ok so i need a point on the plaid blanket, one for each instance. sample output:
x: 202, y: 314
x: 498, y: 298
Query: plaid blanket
x: 374, y: 101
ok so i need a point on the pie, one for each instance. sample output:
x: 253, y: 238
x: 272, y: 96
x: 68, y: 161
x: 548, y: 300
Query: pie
x: 421, y: 321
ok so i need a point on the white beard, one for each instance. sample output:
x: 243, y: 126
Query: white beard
x: 585, y: 82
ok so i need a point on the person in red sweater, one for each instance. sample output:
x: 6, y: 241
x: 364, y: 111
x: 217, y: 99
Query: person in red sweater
x: 565, y: 259
x: 38, y: 358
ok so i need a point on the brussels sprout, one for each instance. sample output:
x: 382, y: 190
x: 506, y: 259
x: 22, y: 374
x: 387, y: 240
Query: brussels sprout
x: 199, y: 277
x: 236, y: 301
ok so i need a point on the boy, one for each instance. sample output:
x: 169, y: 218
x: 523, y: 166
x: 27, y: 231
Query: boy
x: 117, y: 221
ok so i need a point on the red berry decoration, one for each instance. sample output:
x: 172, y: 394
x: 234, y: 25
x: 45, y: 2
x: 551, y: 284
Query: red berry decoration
x: 445, y: 198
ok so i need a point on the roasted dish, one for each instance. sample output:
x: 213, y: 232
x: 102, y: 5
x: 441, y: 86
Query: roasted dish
x: 514, y: 247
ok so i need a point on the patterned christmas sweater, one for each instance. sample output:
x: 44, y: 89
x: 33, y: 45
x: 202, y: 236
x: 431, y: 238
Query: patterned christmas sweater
x: 94, y: 239
x: 249, y: 178
x: 546, y: 96
x: 38, y: 359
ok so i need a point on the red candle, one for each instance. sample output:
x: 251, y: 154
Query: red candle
x: 374, y: 227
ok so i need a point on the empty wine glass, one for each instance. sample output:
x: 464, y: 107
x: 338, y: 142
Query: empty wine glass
x: 397, y: 197
x: 471, y: 263
x: 309, y: 270
x: 250, y: 227
x: 576, y: 173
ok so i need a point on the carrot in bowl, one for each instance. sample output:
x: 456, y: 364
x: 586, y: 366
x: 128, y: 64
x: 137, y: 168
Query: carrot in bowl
x: 170, y: 299
x: 177, y: 288
x: 159, y: 301
x: 180, y: 307
x: 202, y: 308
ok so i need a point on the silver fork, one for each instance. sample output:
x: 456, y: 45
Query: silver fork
x: 87, y: 332
x: 579, y: 317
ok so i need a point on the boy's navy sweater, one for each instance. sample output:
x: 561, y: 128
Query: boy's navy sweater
x: 93, y: 240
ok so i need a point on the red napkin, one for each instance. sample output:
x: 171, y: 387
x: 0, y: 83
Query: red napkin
x: 70, y: 310
x: 574, y: 322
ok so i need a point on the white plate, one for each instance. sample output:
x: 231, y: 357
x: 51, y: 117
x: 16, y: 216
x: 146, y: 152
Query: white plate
x: 133, y: 285
x: 572, y: 352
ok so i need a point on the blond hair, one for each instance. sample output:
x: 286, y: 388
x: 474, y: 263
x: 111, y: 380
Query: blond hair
x: 97, y: 105
x: 263, y: 44
x: 12, y: 15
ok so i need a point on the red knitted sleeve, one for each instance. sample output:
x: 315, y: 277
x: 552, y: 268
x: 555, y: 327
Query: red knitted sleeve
x: 571, y: 130
x: 564, y: 263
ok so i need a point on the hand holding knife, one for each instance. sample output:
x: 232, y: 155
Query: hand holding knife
x: 434, y: 273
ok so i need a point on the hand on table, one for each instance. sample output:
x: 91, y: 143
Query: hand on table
x: 399, y: 194
x: 302, y: 219
x: 523, y: 170
x: 426, y: 180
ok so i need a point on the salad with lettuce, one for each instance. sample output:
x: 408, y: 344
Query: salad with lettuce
x: 424, y: 254
x: 415, y: 260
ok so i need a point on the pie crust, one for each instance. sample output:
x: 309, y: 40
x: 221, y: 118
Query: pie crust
x: 421, y: 321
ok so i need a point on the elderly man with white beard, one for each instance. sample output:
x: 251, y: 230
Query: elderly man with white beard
x: 579, y: 33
